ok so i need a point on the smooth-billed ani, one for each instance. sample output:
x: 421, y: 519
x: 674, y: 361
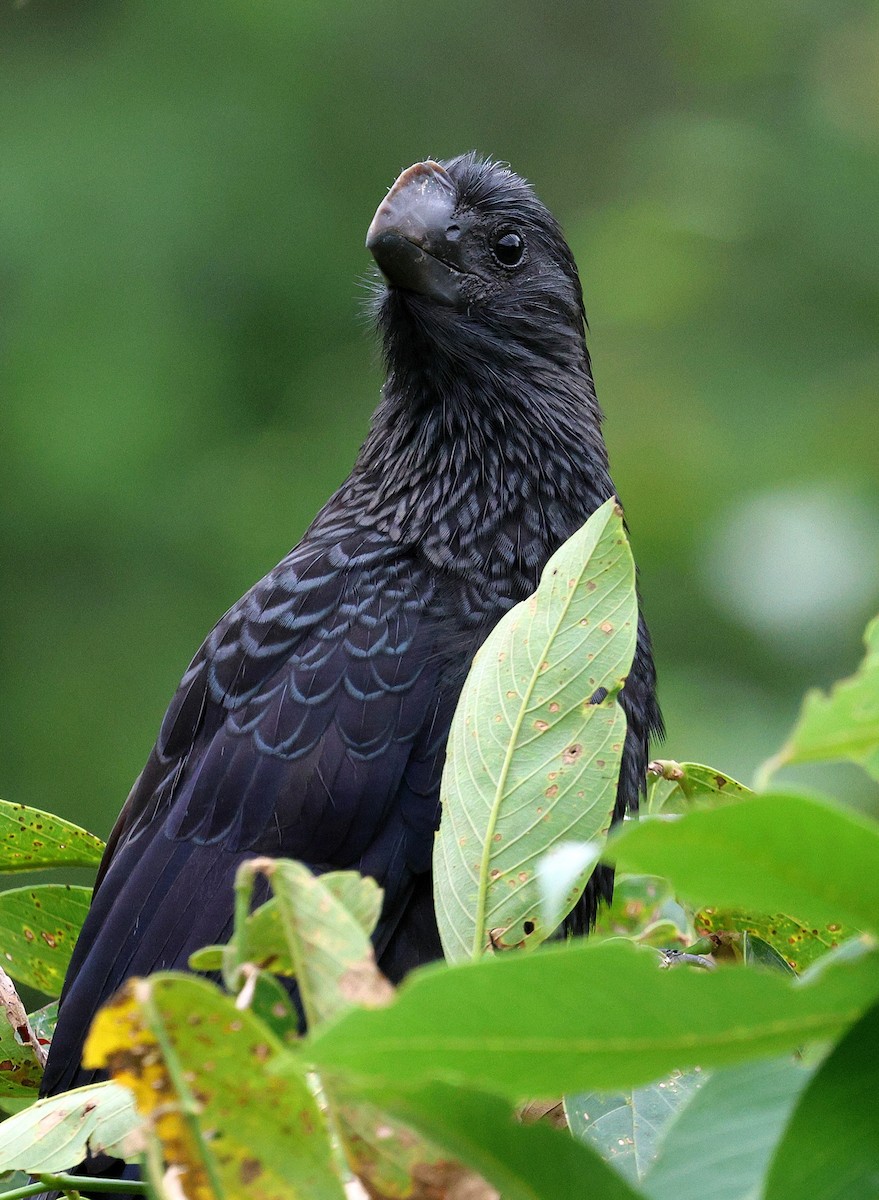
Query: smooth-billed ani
x: 312, y: 722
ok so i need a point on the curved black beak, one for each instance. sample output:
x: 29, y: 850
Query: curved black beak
x: 412, y: 234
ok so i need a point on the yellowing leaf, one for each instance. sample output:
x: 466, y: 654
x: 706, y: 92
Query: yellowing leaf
x: 200, y: 1071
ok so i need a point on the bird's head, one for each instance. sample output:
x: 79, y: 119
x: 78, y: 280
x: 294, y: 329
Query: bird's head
x: 468, y: 252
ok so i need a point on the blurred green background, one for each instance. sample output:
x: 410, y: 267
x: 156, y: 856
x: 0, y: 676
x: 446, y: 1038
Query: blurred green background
x: 187, y: 373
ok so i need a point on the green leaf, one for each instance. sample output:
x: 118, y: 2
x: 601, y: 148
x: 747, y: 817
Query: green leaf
x: 396, y: 1162
x: 20, y: 1072
x: 830, y: 1150
x: 721, y: 1143
x: 264, y: 940
x: 614, y: 1020
x: 312, y: 934
x: 843, y: 724
x: 38, y: 930
x: 56, y: 1134
x: 798, y: 945
x: 524, y: 1162
x: 626, y: 1128
x: 44, y: 1020
x: 776, y: 854
x: 530, y: 762
x: 643, y: 909
x: 674, y: 787
x: 200, y: 1071
x: 757, y: 953
x: 31, y: 840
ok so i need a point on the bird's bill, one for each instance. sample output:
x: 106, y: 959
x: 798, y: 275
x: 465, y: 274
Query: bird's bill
x: 413, y: 234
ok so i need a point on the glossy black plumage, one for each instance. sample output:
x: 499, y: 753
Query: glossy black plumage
x: 313, y: 720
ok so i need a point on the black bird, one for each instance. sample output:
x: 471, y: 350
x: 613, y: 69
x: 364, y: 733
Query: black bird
x: 312, y: 722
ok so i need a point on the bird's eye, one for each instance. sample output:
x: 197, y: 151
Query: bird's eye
x: 508, y: 247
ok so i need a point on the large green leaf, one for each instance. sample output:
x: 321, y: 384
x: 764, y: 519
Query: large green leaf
x: 830, y: 1149
x: 56, y: 1134
x: 525, y: 1162
x: 721, y: 1143
x: 31, y: 840
x: 38, y: 930
x: 576, y: 1017
x: 530, y: 762
x: 843, y: 724
x: 674, y: 787
x: 200, y: 1070
x: 627, y: 1128
x: 776, y: 854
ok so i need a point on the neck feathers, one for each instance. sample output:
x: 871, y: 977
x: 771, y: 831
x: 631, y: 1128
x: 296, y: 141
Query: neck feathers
x: 485, y: 458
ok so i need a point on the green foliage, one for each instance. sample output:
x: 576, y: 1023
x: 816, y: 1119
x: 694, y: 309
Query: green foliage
x: 31, y: 840
x: 530, y: 761
x: 843, y: 724
x: 38, y: 930
x: 54, y: 1134
x: 830, y: 1148
x: 680, y: 1081
x: 724, y: 1140
x: 770, y: 854
x: 463, y: 1021
x: 674, y: 787
x: 627, y: 1128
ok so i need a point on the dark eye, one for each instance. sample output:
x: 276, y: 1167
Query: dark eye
x: 508, y: 248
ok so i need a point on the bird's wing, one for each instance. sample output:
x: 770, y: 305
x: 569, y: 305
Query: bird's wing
x: 311, y: 724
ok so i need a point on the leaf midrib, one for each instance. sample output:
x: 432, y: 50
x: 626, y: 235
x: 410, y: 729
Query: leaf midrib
x: 482, y: 893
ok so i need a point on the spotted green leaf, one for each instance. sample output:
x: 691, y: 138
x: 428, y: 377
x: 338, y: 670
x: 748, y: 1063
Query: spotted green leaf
x: 314, y: 935
x: 31, y: 840
x: 673, y: 787
x: 202, y: 1076
x: 530, y: 761
x: 798, y: 944
x: 38, y: 930
x: 55, y: 1134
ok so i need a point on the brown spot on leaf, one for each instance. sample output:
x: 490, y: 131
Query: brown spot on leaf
x: 606, y: 627
x: 541, y: 726
x: 572, y: 753
x: 552, y: 791
x: 554, y: 707
x: 48, y: 939
x: 364, y: 984
x: 250, y: 1171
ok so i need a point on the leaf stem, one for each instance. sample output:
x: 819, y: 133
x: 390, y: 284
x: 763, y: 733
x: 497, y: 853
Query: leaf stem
x: 86, y: 1183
